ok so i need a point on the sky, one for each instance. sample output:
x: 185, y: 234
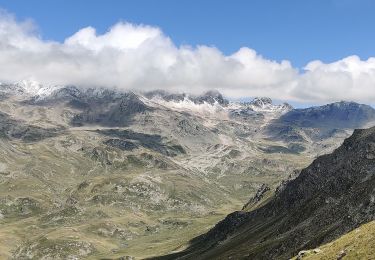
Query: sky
x: 300, y: 50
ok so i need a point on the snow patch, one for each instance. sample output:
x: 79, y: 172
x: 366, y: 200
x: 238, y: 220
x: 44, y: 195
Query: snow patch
x: 34, y: 88
x: 264, y: 104
x: 187, y: 105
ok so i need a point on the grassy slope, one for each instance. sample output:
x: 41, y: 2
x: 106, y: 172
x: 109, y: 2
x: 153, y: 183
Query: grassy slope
x: 140, y: 220
x: 49, y: 173
x: 357, y: 244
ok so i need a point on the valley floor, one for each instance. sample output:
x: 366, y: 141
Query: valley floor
x: 99, y: 174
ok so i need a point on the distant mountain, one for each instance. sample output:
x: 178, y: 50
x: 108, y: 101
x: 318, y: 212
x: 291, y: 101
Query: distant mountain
x: 209, y: 97
x: 321, y: 122
x: 279, y: 122
x: 266, y: 104
x: 109, y: 110
x: 336, y: 115
x: 259, y: 108
x: 97, y: 106
x: 29, y: 87
x: 331, y: 197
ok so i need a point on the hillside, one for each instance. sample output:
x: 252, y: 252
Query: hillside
x: 99, y: 173
x: 104, y: 174
x: 329, y: 198
x: 357, y: 244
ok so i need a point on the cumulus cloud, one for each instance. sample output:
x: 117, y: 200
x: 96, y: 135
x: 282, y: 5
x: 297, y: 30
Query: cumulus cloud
x: 141, y: 57
x: 348, y: 79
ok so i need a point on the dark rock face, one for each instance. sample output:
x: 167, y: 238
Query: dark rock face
x: 264, y: 102
x: 99, y: 106
x: 285, y: 132
x: 10, y: 128
x: 258, y: 196
x: 121, y: 144
x: 329, y: 198
x: 211, y: 97
x: 127, y: 139
x: 68, y: 93
x: 108, y: 109
x: 261, y: 101
x: 293, y: 148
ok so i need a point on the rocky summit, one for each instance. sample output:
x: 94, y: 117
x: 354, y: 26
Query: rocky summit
x: 98, y: 173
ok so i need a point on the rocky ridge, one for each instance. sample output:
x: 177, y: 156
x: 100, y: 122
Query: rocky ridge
x: 331, y: 197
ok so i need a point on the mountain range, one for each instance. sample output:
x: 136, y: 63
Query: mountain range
x: 96, y: 173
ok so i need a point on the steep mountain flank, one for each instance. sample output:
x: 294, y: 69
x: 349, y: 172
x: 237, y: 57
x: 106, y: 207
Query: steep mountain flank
x: 331, y: 197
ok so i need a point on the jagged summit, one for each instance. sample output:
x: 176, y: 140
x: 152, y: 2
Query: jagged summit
x: 165, y: 95
x: 261, y: 101
x: 266, y: 104
x: 210, y: 97
x: 34, y: 88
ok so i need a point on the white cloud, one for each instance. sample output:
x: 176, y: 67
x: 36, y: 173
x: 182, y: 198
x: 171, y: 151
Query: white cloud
x: 122, y: 36
x: 346, y: 79
x: 142, y: 57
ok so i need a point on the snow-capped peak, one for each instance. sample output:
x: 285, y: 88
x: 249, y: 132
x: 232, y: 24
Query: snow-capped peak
x: 265, y: 104
x: 34, y: 88
x: 261, y: 102
x: 188, y: 105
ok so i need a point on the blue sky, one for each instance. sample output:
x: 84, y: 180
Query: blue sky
x: 296, y: 30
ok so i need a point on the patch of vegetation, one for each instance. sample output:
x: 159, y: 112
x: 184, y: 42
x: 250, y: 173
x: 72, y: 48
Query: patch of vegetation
x: 357, y: 244
x: 45, y: 248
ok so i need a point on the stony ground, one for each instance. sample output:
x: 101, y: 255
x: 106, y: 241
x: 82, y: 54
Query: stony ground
x: 73, y: 188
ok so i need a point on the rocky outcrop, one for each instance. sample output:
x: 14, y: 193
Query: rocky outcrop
x: 129, y: 140
x: 17, y: 129
x: 265, y: 103
x: 212, y: 97
x: 259, y: 195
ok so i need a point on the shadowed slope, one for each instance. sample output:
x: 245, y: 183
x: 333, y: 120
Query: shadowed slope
x: 329, y: 198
